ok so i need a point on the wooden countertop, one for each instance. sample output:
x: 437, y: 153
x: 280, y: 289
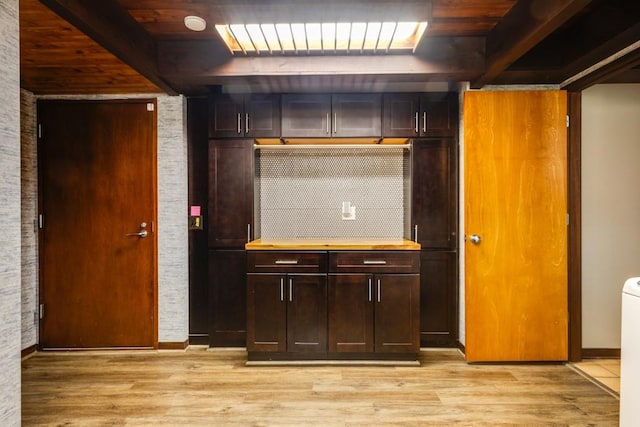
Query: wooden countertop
x: 333, y: 244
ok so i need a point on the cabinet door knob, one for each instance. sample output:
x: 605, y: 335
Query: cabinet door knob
x: 475, y: 239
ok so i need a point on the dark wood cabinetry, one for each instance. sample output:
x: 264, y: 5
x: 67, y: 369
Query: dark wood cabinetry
x: 374, y: 312
x: 241, y: 116
x: 420, y: 115
x: 221, y: 160
x: 286, y: 311
x: 374, y: 303
x: 230, y: 214
x: 230, y: 192
x: 435, y: 196
x: 227, y: 304
x: 306, y: 115
x: 365, y: 305
x: 434, y: 216
x: 324, y: 115
x: 356, y: 115
x: 438, y: 298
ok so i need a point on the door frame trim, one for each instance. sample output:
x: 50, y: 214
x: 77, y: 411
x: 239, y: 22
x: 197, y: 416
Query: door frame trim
x: 574, y: 204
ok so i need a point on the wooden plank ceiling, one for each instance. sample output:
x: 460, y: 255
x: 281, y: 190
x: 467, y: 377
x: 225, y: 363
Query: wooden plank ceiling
x: 142, y: 46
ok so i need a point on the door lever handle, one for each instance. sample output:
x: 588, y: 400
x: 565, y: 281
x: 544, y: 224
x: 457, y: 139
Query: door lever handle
x: 142, y: 233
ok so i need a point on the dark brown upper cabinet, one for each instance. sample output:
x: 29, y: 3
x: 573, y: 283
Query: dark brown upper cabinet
x: 325, y: 116
x: 241, y: 116
x: 434, y: 193
x: 356, y: 115
x: 425, y: 115
x: 230, y: 192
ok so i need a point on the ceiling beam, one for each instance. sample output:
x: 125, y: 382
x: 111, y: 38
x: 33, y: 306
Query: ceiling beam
x: 207, y: 62
x: 605, y: 50
x: 617, y: 66
x: 525, y: 25
x: 273, y: 11
x: 111, y: 26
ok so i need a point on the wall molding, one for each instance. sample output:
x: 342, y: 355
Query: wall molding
x: 173, y: 345
x: 29, y: 351
x: 599, y: 353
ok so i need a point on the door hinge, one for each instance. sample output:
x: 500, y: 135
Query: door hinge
x: 567, y: 120
x: 150, y: 106
x: 41, y: 221
x: 39, y: 130
x: 567, y: 219
x: 41, y: 311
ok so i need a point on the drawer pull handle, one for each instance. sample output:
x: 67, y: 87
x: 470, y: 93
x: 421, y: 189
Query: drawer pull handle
x: 374, y: 262
x: 286, y: 261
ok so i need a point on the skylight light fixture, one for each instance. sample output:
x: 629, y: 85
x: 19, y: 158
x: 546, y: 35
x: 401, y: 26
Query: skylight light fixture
x: 322, y: 38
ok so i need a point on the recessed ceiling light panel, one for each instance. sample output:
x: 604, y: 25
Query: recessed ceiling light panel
x: 322, y: 38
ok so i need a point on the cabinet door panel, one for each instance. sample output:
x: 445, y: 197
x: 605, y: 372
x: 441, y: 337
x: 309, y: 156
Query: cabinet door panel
x: 438, y: 299
x: 225, y: 116
x: 262, y: 116
x: 351, y: 313
x: 401, y: 115
x: 266, y: 313
x: 227, y: 290
x: 439, y: 114
x: 307, y: 313
x: 397, y: 313
x: 357, y: 115
x: 434, y: 201
x: 306, y: 115
x: 230, y: 192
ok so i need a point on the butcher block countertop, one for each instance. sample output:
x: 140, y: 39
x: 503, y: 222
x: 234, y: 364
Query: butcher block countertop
x: 333, y: 245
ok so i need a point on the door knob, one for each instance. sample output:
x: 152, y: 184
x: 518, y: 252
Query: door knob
x: 141, y: 233
x: 475, y: 239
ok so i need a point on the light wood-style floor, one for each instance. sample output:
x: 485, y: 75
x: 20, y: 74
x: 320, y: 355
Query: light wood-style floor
x: 215, y: 388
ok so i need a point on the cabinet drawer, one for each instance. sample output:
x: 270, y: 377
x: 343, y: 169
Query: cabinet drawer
x: 375, y: 262
x: 285, y: 262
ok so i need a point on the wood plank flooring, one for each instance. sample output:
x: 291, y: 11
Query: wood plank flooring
x: 215, y: 388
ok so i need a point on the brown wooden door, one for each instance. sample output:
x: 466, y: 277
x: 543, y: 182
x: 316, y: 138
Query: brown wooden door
x: 438, y: 299
x: 356, y: 115
x: 438, y: 114
x: 266, y: 313
x: 230, y: 192
x: 97, y: 184
x: 226, y: 116
x: 397, y: 313
x: 306, y: 115
x: 516, y: 202
x: 434, y: 201
x: 307, y: 313
x: 262, y: 115
x: 227, y: 294
x: 401, y: 114
x: 351, y: 313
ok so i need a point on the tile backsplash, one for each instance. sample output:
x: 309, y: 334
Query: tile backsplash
x: 329, y: 193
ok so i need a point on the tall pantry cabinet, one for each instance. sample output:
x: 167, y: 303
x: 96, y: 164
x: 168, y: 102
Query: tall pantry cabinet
x: 230, y: 208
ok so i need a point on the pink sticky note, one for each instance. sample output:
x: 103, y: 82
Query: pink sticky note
x: 195, y: 210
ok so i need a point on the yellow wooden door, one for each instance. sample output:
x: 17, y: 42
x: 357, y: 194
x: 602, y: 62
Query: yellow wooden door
x: 516, y: 206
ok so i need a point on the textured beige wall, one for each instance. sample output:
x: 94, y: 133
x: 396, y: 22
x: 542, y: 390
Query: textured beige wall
x: 610, y: 207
